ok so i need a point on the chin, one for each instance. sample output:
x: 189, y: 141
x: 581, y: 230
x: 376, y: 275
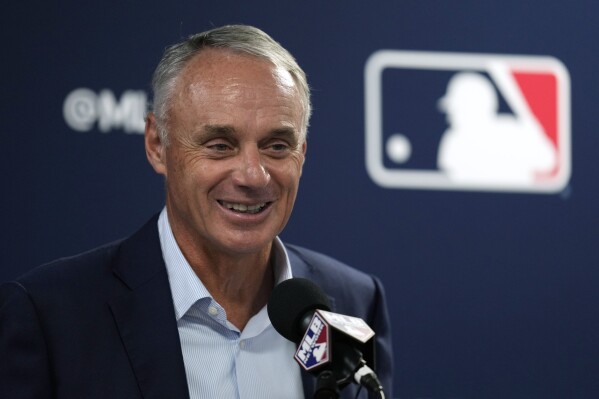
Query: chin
x: 247, y: 246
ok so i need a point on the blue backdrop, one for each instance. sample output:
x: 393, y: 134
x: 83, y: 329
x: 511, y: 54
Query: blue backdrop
x: 492, y: 293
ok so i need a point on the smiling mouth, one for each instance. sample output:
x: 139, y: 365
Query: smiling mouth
x: 243, y: 208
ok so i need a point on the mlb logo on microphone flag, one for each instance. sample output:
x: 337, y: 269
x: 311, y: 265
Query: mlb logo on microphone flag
x: 314, y: 349
x: 457, y: 121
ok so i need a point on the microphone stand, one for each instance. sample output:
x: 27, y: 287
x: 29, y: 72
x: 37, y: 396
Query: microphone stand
x: 326, y: 386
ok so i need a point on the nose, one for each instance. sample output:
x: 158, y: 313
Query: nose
x: 250, y: 171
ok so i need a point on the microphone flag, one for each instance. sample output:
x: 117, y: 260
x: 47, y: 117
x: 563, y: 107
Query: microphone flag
x: 326, y: 328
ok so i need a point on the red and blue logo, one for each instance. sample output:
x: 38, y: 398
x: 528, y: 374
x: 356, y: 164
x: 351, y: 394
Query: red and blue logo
x: 314, y: 348
x: 457, y: 121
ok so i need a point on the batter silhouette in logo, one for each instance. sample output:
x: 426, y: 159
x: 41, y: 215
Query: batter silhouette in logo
x: 482, y: 145
x: 507, y: 121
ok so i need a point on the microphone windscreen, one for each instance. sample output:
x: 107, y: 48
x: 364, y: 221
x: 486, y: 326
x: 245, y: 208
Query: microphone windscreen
x: 290, y: 302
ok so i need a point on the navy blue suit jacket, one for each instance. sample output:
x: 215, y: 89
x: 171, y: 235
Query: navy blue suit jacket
x: 102, y: 324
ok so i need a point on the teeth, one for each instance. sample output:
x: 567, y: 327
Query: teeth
x: 245, y: 208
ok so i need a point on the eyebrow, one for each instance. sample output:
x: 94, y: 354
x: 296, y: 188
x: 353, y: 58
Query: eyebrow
x: 287, y: 133
x: 210, y: 132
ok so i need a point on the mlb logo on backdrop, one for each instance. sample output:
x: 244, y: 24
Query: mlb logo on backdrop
x: 455, y: 121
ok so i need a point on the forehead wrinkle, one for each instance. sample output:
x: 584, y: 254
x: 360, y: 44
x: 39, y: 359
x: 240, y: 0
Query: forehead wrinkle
x: 206, y: 80
x: 197, y: 84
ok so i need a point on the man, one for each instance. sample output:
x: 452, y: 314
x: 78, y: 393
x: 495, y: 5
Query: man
x: 178, y: 310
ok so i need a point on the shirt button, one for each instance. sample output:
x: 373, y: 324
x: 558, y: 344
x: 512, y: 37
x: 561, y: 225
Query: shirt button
x: 213, y: 311
x: 242, y: 344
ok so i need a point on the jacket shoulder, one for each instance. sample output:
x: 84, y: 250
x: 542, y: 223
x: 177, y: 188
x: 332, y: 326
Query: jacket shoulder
x: 352, y: 291
x: 71, y: 269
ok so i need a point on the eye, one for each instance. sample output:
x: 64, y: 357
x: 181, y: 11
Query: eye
x: 218, y: 144
x: 279, y: 146
x: 220, y: 147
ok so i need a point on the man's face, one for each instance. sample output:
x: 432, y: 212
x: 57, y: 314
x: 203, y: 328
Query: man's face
x: 235, y: 152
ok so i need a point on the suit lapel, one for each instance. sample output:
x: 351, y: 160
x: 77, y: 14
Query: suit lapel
x: 145, y: 317
x: 301, y: 269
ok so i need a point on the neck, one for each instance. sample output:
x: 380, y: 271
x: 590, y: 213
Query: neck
x: 240, y: 283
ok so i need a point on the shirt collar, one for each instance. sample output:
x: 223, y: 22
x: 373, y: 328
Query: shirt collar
x: 186, y: 287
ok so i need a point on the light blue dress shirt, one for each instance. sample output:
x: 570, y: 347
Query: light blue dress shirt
x: 221, y: 361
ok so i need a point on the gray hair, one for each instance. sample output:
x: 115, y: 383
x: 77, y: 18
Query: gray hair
x: 241, y: 38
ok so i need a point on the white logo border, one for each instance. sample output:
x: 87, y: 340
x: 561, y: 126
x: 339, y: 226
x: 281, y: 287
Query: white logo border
x: 448, y: 61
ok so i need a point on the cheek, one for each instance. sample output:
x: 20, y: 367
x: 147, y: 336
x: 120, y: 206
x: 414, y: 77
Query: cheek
x: 180, y: 177
x: 289, y: 169
x: 287, y: 178
x: 185, y: 164
x: 296, y: 168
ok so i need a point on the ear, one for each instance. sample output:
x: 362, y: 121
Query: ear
x: 155, y: 148
x: 304, y: 149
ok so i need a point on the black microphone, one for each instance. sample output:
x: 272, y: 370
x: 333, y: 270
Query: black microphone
x: 292, y: 304
x: 292, y: 308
